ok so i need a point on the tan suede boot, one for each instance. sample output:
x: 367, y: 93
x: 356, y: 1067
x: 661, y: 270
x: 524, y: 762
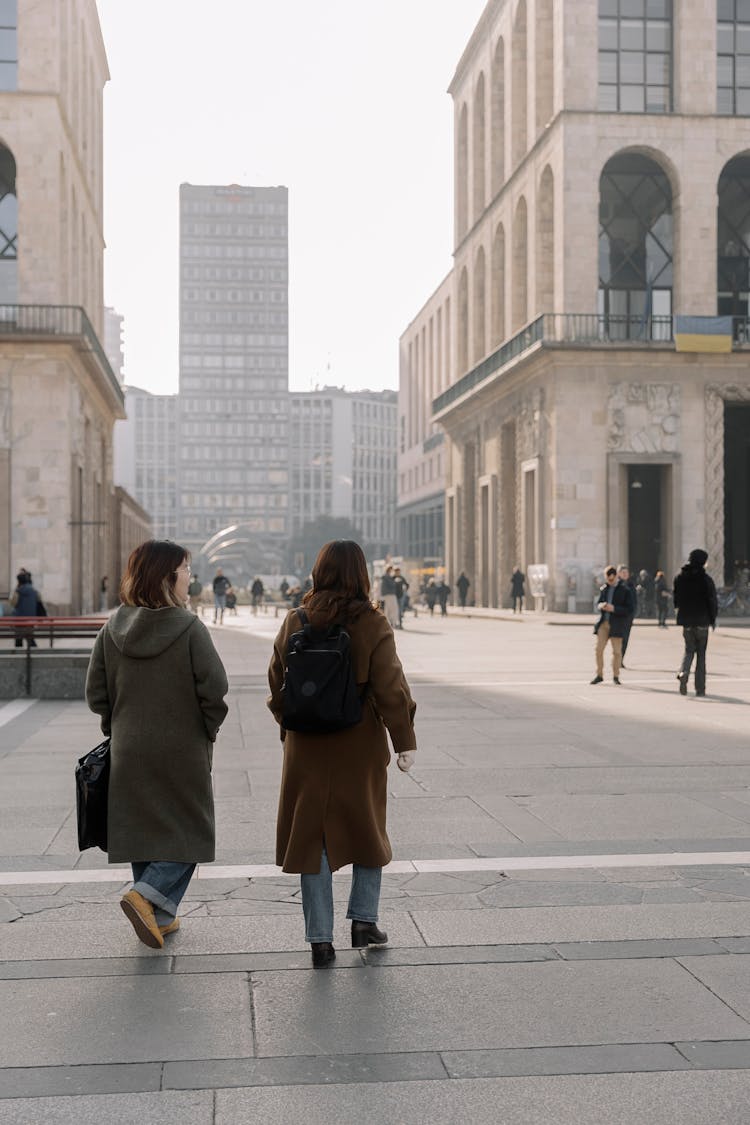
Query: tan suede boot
x: 140, y: 913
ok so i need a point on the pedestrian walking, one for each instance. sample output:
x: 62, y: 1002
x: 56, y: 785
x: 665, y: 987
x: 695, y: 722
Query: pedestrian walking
x: 430, y: 595
x: 220, y: 586
x: 332, y: 805
x: 623, y: 573
x: 232, y: 601
x: 661, y: 593
x: 694, y: 595
x: 158, y: 684
x: 616, y: 604
x: 462, y: 585
x: 103, y: 595
x: 195, y: 589
x: 25, y: 602
x: 443, y: 592
x: 402, y: 596
x: 257, y: 591
x: 389, y: 597
x: 517, y: 588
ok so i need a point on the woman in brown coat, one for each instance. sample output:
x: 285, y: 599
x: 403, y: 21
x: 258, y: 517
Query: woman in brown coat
x: 333, y: 788
x: 159, y: 685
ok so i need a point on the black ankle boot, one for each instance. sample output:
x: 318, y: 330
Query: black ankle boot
x: 322, y: 954
x: 367, y: 933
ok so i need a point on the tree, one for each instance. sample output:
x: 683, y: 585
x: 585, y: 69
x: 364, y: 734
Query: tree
x: 306, y: 543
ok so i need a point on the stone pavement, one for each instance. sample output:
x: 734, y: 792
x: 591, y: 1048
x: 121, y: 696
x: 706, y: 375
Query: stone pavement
x: 568, y: 909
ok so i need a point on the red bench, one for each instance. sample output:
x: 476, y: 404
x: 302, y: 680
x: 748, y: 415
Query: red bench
x: 49, y: 628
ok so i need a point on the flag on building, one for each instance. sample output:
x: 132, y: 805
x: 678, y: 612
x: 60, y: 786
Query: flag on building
x: 703, y: 333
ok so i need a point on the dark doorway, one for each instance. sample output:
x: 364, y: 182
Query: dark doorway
x: 736, y: 487
x: 646, y: 544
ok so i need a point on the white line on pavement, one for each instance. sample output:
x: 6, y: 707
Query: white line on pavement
x: 13, y: 709
x: 410, y: 867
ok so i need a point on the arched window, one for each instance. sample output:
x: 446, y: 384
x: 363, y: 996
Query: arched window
x: 462, y: 173
x: 545, y: 244
x: 733, y: 57
x: 498, y: 287
x: 479, y: 301
x: 463, y: 323
x: 479, y: 147
x: 8, y: 229
x: 545, y: 64
x: 636, y: 240
x: 519, y: 91
x: 498, y: 118
x: 733, y: 242
x: 519, y: 279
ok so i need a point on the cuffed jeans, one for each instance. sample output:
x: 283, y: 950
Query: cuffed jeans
x: 163, y: 883
x: 696, y: 640
x: 317, y: 899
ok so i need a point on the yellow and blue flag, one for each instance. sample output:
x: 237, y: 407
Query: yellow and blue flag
x: 703, y: 333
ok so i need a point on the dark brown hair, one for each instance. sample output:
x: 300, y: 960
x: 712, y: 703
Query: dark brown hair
x: 610, y: 571
x: 149, y: 580
x: 341, y: 584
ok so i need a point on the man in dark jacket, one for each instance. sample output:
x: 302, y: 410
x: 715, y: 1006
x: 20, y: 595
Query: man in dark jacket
x: 616, y: 607
x: 694, y: 597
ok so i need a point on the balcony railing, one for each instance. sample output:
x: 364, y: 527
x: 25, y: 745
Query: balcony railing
x: 63, y: 321
x: 593, y: 329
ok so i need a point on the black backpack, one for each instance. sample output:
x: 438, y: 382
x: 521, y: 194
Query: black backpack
x: 319, y: 694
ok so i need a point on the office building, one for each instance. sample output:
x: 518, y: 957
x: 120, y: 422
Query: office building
x: 145, y: 457
x: 233, y: 402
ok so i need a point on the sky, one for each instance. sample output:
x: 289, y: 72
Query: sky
x: 342, y: 101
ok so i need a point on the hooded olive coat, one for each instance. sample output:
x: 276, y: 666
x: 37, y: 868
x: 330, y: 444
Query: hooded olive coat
x: 334, y: 786
x: 159, y: 685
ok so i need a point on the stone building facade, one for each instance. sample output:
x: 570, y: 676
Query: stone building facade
x: 58, y: 395
x: 602, y: 166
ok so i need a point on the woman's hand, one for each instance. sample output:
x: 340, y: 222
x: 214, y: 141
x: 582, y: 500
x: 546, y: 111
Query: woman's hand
x: 405, y: 761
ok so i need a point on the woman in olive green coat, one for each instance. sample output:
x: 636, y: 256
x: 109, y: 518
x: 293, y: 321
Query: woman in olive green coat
x: 332, y: 807
x: 159, y: 685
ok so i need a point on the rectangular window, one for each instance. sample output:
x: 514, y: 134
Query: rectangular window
x: 733, y: 58
x: 635, y: 56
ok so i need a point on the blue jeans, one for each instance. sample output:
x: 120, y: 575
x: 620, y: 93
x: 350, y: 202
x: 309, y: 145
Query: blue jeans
x: 163, y: 883
x: 317, y: 899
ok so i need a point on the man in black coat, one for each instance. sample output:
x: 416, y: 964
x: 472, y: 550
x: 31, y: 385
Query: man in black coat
x: 616, y: 607
x: 694, y: 596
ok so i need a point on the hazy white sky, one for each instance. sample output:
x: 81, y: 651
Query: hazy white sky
x: 343, y: 102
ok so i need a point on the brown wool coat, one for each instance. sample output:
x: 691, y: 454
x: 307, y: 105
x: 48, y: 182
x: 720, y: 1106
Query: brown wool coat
x: 159, y: 685
x: 334, y: 785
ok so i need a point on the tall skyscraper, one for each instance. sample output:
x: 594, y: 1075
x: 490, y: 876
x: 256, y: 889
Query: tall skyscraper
x: 233, y: 478
x: 145, y: 461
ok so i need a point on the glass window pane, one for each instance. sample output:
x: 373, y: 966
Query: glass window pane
x: 658, y: 37
x: 632, y: 9
x: 725, y: 10
x: 657, y: 99
x: 632, y: 66
x: 725, y: 38
x: 632, y: 35
x: 725, y: 70
x: 661, y: 302
x: 657, y: 70
x: 743, y: 10
x: 742, y: 70
x: 8, y: 76
x: 632, y: 99
x: 608, y: 98
x: 659, y: 9
x: 607, y: 7
x: 724, y: 100
x: 608, y: 35
x: 8, y: 13
x: 743, y: 103
x: 607, y: 67
x: 8, y: 45
x: 743, y: 38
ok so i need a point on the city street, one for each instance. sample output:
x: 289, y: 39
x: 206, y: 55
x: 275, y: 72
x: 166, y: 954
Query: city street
x: 568, y: 907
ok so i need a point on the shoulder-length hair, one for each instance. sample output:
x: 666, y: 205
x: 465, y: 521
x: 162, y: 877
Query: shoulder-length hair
x: 341, y: 584
x: 149, y: 580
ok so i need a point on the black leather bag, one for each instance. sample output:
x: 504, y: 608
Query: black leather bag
x: 92, y: 787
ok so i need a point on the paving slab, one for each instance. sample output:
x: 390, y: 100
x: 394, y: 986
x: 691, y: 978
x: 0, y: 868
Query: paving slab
x: 41, y: 1081
x: 608, y: 1059
x: 728, y: 978
x: 653, y: 816
x: 702, y: 1098
x: 308, y: 1070
x: 154, y: 1017
x: 460, y: 1007
x: 171, y: 1107
x: 582, y: 923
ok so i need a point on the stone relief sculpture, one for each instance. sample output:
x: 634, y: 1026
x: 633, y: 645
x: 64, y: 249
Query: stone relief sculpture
x: 644, y: 418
